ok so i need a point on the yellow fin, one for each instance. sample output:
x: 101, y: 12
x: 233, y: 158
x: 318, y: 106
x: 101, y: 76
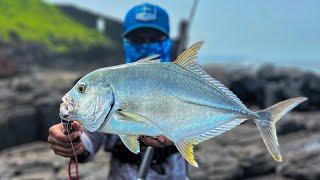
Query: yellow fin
x: 136, y: 117
x: 132, y: 116
x: 131, y: 142
x: 188, y: 55
x: 186, y: 150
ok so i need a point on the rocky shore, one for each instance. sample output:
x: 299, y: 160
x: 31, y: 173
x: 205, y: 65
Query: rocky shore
x: 37, y: 161
x: 29, y: 106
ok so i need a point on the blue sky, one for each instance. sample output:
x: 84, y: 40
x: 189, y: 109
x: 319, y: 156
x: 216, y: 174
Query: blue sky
x: 282, y: 31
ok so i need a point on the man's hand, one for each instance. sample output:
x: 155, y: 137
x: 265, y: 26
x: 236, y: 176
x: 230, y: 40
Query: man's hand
x: 159, y: 142
x: 60, y: 143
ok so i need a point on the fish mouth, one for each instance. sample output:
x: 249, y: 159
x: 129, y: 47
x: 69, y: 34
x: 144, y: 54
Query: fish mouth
x: 66, y: 108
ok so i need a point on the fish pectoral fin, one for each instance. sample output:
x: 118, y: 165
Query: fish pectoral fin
x: 131, y: 142
x: 136, y: 117
x: 186, y: 150
x: 131, y: 116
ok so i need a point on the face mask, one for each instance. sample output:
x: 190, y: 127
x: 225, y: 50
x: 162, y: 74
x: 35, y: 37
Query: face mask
x: 135, y: 52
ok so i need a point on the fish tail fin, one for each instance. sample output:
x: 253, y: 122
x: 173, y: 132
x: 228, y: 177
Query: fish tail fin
x: 267, y: 119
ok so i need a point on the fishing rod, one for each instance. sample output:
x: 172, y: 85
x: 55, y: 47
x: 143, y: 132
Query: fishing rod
x: 184, y: 29
x: 145, y: 164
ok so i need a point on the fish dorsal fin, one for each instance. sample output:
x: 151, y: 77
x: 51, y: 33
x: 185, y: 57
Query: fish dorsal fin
x: 153, y: 58
x: 186, y: 150
x: 188, y: 55
x: 187, y: 60
x: 131, y: 142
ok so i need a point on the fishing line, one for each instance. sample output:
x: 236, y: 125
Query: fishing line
x: 70, y: 161
x: 67, y: 131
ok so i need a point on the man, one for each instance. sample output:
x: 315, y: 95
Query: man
x: 146, y: 32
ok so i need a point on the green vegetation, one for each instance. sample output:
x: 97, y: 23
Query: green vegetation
x: 36, y: 21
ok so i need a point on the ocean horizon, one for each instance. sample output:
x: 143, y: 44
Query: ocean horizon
x: 312, y: 65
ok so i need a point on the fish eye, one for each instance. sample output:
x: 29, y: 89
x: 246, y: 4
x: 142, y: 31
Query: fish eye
x: 82, y: 87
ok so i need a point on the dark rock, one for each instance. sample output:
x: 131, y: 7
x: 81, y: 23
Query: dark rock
x: 18, y: 126
x: 37, y: 161
x: 255, y: 161
x: 296, y: 122
x: 270, y: 84
x: 307, y: 167
x: 30, y: 105
x: 302, y: 160
x: 7, y: 67
x: 24, y: 84
x: 47, y: 114
x: 271, y: 73
x: 311, y: 89
x: 216, y: 162
x: 249, y: 89
x: 287, y: 126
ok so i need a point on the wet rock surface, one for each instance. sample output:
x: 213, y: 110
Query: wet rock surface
x: 37, y: 161
x: 268, y: 84
x: 30, y: 105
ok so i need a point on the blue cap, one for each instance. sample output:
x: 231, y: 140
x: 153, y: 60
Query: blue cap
x: 146, y: 15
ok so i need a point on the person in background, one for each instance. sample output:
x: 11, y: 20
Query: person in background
x: 146, y: 33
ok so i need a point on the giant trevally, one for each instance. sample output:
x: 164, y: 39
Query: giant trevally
x: 178, y: 100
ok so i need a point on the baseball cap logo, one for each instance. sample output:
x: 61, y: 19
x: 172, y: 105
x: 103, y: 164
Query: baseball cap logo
x: 147, y: 12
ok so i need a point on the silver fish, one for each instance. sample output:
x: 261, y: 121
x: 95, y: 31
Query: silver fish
x: 178, y: 100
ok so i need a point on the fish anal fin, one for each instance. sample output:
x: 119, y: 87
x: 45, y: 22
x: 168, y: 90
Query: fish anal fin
x: 195, y: 139
x: 131, y: 142
x: 186, y: 150
x: 185, y: 147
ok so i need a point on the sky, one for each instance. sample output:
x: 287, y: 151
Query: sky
x: 281, y: 31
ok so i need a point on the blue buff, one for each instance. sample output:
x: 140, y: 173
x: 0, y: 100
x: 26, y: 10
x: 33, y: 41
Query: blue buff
x: 135, y: 52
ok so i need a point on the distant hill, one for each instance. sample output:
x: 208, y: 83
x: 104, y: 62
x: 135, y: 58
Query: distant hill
x: 36, y: 21
x: 113, y: 27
